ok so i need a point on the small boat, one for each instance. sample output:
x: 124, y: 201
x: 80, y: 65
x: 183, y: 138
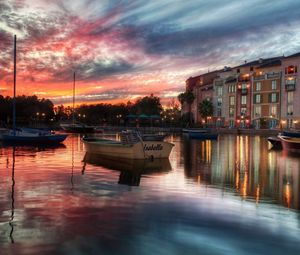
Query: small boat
x: 275, y: 141
x: 291, y: 144
x: 291, y: 133
x: 131, y: 146
x: 202, y: 134
x: 20, y: 136
x: 77, y: 128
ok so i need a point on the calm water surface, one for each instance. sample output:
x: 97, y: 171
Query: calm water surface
x: 231, y: 196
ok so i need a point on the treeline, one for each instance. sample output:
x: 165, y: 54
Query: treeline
x: 28, y: 109
x: 145, y: 111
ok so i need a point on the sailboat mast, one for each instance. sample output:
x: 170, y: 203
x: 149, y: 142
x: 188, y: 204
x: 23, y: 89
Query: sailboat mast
x: 73, y: 121
x: 15, y: 76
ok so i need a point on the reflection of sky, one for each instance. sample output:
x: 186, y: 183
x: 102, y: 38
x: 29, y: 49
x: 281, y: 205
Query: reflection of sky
x: 121, y: 50
x: 183, y: 211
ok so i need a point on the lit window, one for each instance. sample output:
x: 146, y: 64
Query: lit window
x: 243, y: 111
x: 219, y: 91
x: 244, y: 85
x: 231, y: 100
x: 231, y: 112
x: 273, y: 110
x: 274, y: 85
x: 290, y: 97
x: 273, y: 97
x: 257, y: 111
x: 257, y: 98
x: 258, y: 86
x: 290, y: 109
x: 243, y: 99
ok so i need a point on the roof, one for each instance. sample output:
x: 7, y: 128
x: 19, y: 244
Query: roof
x: 294, y: 55
x: 261, y: 61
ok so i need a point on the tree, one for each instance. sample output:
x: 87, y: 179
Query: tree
x: 148, y: 105
x: 205, y: 109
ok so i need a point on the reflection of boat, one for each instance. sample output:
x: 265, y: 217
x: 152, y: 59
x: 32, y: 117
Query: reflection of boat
x: 131, y: 146
x: 197, y: 133
x: 131, y: 169
x: 275, y: 141
x: 290, y: 143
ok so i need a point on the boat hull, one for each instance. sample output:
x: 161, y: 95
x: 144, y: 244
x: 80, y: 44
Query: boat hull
x: 139, y: 150
x: 44, y: 139
x: 291, y: 144
x: 291, y: 134
x: 276, y: 142
x: 203, y: 136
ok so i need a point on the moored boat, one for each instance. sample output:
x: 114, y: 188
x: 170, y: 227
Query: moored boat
x: 275, y: 141
x: 20, y: 136
x: 202, y: 134
x: 291, y: 144
x: 291, y: 133
x: 77, y: 128
x: 131, y: 146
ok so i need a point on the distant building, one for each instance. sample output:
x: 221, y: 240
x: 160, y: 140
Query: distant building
x: 260, y: 94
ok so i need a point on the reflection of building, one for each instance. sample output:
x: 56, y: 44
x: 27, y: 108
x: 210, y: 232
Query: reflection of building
x: 245, y: 165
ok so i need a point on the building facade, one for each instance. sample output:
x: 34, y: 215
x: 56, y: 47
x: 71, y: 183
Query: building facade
x: 258, y: 94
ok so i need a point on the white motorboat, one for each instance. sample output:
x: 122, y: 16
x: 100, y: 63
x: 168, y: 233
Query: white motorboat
x: 131, y: 146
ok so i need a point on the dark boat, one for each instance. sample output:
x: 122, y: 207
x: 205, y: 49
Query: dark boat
x: 291, y: 144
x: 77, y: 128
x: 201, y: 134
x: 275, y: 141
x: 291, y: 133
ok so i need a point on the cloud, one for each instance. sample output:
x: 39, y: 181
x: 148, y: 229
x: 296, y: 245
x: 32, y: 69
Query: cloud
x: 138, y: 46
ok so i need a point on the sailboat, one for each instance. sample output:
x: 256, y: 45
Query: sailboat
x: 76, y: 127
x: 27, y: 136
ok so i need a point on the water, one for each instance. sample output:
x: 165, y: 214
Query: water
x: 231, y: 196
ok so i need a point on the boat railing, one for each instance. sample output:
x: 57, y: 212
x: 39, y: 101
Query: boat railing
x: 130, y: 137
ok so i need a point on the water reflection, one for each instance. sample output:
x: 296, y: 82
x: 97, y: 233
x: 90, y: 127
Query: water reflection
x: 131, y: 170
x: 11, y: 223
x: 246, y: 166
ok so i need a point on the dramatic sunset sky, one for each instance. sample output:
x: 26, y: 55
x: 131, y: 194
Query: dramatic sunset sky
x: 125, y: 49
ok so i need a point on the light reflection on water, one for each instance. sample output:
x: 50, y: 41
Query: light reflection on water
x: 231, y: 196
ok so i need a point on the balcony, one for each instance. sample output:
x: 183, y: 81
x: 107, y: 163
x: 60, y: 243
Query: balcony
x: 244, y: 91
x: 259, y: 77
x: 290, y: 87
x: 273, y: 75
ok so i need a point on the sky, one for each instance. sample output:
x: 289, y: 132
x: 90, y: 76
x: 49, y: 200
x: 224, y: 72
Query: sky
x: 122, y: 50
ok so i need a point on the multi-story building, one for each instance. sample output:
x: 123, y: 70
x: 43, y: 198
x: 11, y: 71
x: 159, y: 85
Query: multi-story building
x: 290, y: 92
x: 266, y: 86
x: 261, y: 94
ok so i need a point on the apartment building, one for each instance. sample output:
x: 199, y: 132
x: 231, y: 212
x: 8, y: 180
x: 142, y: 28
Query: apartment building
x: 290, y: 92
x: 260, y: 94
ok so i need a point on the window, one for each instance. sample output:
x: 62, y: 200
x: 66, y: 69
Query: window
x: 257, y: 111
x: 238, y: 70
x: 231, y: 112
x: 258, y: 86
x: 273, y: 110
x: 290, y: 81
x: 290, y: 97
x: 274, y: 85
x: 243, y: 111
x: 290, y: 109
x: 251, y: 68
x: 273, y: 97
x: 257, y: 99
x: 219, y: 101
x: 231, y: 100
x: 244, y: 85
x: 243, y: 99
x: 291, y: 69
x: 219, y: 112
x: 219, y: 91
